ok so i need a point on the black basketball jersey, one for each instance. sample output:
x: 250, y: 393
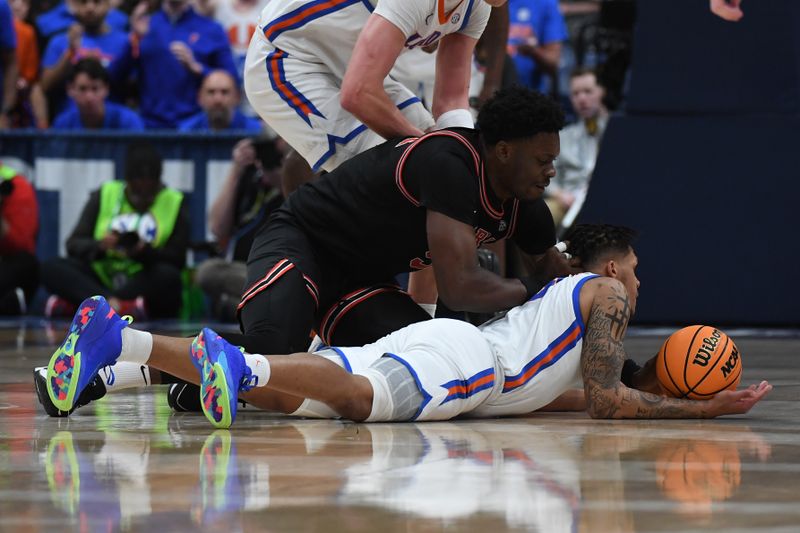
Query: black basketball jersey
x: 369, y: 215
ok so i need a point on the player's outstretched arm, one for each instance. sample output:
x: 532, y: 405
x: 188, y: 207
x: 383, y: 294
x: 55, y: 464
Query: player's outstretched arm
x: 602, y: 358
x: 453, y: 70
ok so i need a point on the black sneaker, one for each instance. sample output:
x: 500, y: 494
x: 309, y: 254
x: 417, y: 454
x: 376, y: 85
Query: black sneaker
x: 95, y: 390
x: 184, y: 397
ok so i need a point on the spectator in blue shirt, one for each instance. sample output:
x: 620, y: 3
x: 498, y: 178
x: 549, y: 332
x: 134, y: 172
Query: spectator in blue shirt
x: 536, y: 30
x: 173, y: 53
x: 87, y: 85
x: 90, y: 36
x: 61, y: 17
x: 219, y: 98
x: 9, y: 70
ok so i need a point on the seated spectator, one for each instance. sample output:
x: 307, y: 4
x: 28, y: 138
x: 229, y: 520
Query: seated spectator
x: 171, y: 59
x: 19, y: 223
x: 89, y: 36
x: 579, y: 145
x: 9, y: 69
x: 31, y: 105
x: 249, y: 194
x: 61, y: 17
x: 87, y: 86
x: 128, y: 245
x: 219, y: 99
x: 536, y: 31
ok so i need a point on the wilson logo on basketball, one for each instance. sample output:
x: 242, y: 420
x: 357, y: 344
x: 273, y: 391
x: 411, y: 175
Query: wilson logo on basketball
x: 703, y: 355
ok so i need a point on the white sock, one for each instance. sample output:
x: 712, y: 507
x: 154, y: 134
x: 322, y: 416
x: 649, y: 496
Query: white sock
x: 259, y: 366
x: 136, y: 346
x: 124, y: 375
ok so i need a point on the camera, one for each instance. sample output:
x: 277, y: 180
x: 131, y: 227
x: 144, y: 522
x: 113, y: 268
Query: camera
x: 128, y: 240
x: 267, y: 153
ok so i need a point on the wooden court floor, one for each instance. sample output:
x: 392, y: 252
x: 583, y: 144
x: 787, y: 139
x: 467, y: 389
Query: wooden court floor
x: 127, y: 463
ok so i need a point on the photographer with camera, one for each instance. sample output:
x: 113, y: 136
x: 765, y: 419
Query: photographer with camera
x: 251, y: 191
x: 129, y: 245
x: 19, y: 223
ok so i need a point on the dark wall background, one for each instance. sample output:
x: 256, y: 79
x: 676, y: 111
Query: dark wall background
x: 704, y: 163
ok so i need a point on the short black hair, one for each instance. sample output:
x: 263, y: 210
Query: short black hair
x: 518, y: 112
x: 592, y: 242
x: 142, y: 161
x: 90, y: 66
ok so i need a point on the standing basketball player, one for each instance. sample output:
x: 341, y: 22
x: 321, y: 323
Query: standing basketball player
x: 316, y: 71
x: 570, y: 331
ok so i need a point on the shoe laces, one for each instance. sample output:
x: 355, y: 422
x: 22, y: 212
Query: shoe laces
x: 249, y: 380
x: 128, y: 319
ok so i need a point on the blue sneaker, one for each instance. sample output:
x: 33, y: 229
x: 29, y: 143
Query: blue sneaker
x: 94, y: 341
x: 223, y: 373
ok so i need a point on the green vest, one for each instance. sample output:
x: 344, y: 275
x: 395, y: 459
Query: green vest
x: 7, y: 173
x: 113, y: 204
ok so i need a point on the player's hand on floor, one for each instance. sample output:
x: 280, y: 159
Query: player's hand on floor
x: 740, y: 401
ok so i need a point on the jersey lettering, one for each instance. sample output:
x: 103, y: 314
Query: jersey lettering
x: 481, y: 236
x: 417, y: 40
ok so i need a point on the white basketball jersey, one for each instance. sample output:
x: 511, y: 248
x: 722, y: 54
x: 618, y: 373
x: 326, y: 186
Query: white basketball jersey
x: 538, y: 347
x: 325, y: 31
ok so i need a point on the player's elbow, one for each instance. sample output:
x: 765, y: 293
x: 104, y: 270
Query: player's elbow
x: 603, y: 404
x: 456, y: 298
x: 351, y: 95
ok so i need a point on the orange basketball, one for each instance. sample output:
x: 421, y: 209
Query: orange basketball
x: 697, y: 362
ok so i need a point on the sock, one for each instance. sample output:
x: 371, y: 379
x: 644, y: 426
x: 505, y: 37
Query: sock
x: 259, y: 366
x: 136, y: 346
x: 123, y: 375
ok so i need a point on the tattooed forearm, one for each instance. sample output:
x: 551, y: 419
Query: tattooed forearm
x: 602, y: 358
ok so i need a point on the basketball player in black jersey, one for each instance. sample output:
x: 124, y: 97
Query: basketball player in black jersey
x: 328, y: 257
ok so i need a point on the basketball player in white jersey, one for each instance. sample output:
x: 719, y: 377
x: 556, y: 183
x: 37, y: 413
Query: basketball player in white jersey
x: 569, y: 333
x: 316, y: 71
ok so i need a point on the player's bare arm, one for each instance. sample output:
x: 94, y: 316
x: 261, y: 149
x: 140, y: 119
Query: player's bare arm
x: 378, y: 46
x: 727, y: 9
x: 463, y: 284
x: 492, y: 50
x: 602, y: 358
x: 453, y: 68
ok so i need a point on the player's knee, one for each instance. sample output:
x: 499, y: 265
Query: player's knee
x: 357, y: 404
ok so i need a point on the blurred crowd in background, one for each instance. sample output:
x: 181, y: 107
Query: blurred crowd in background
x: 140, y: 65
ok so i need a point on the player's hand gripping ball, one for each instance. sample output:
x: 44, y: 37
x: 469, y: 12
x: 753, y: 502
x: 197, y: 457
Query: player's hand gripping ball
x: 697, y: 362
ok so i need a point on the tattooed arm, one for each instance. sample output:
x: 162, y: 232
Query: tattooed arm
x: 602, y: 358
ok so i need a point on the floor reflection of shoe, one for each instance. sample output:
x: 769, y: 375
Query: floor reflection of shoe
x: 94, y: 340
x: 222, y: 373
x: 95, y: 390
x: 58, y: 307
x: 63, y: 472
x: 216, y: 470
